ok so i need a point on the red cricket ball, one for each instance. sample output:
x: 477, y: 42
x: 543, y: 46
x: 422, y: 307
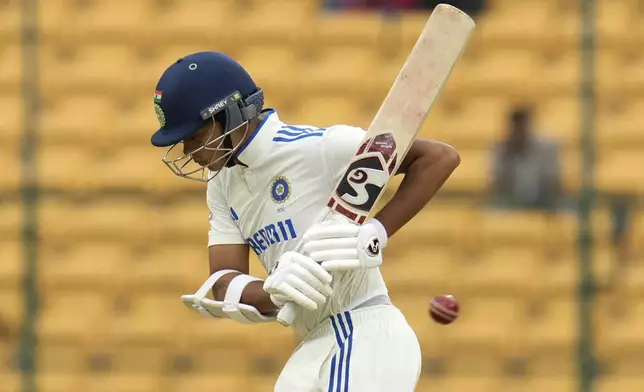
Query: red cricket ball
x: 444, y: 309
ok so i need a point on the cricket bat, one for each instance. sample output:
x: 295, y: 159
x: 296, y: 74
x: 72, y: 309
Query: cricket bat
x: 399, y: 119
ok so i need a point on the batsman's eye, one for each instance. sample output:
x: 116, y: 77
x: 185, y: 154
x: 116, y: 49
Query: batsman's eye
x: 359, y: 176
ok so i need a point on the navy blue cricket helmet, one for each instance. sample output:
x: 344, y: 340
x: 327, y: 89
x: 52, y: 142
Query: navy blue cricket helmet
x: 201, y: 86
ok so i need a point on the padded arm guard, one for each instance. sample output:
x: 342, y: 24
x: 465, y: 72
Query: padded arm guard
x: 230, y: 307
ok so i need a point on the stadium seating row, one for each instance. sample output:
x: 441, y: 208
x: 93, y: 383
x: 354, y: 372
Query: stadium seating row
x: 505, y: 324
x: 85, y: 170
x: 200, y: 383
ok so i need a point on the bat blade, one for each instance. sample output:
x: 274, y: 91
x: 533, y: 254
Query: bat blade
x: 399, y: 118
x: 402, y: 113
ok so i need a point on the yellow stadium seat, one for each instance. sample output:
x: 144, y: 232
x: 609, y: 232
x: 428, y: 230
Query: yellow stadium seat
x: 11, y: 220
x: 558, y: 119
x: 558, y: 274
x: 83, y: 169
x: 485, y: 324
x: 617, y: 171
x: 125, y: 220
x: 238, y: 357
x: 503, y: 71
x: 609, y: 71
x: 61, y: 359
x: 507, y: 21
x: 10, y: 179
x: 263, y: 384
x: 73, y: 316
x: 438, y: 224
x: 103, y: 67
x: 475, y: 123
x: 633, y: 76
x: 258, y: 20
x: 272, y: 65
x: 638, y: 232
x: 562, y: 231
x: 96, y: 20
x: 559, y: 71
x: 620, y: 383
x: 551, y: 325
x: 10, y: 19
x: 411, y: 24
x: 11, y: 128
x: 11, y: 382
x: 421, y: 270
x: 618, y: 323
x: 146, y: 318
x: 176, y: 266
x: 338, y: 67
x: 613, y: 19
x: 139, y: 358
x: 113, y: 123
x: 57, y: 382
x: 458, y: 383
x: 538, y: 384
x: 473, y: 173
x: 122, y: 382
x: 324, y: 111
x: 206, y: 383
x: 500, y: 270
x: 11, y: 67
x: 67, y: 167
x: 62, y: 220
x: 12, y: 311
x: 346, y: 27
x: 514, y: 227
x: 93, y: 265
x: 181, y: 22
x: 571, y: 169
x: 618, y: 124
x: 11, y: 268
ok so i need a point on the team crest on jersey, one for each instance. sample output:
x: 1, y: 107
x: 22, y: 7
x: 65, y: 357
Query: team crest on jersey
x: 280, y: 189
x: 160, y: 114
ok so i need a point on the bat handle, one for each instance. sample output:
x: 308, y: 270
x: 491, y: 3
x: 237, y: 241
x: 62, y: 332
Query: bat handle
x: 286, y: 315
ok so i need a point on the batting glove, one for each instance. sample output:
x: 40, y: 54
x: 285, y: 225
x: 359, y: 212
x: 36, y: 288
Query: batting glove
x: 296, y: 278
x: 341, y: 245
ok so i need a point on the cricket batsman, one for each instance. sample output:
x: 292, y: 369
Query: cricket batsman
x: 268, y: 184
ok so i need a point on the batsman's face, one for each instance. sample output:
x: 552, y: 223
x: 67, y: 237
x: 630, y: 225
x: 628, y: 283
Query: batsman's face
x: 205, y: 137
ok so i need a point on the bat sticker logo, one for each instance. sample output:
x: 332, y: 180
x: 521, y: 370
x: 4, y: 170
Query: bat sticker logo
x: 373, y: 247
x: 362, y: 183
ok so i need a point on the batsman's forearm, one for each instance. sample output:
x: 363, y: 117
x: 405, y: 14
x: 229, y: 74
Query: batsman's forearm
x: 424, y: 177
x: 253, y: 294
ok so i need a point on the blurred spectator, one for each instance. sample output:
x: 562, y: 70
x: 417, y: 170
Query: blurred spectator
x: 472, y: 7
x: 525, y: 167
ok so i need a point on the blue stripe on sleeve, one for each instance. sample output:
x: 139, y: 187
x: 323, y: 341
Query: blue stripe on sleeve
x: 294, y: 138
x: 290, y: 133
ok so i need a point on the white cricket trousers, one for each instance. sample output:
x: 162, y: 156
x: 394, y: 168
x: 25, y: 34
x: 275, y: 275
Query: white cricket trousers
x: 370, y: 349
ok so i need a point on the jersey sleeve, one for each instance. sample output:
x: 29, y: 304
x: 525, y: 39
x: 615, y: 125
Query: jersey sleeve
x: 223, y: 229
x: 339, y: 145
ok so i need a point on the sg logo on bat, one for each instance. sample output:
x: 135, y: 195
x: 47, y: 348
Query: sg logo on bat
x: 364, y: 180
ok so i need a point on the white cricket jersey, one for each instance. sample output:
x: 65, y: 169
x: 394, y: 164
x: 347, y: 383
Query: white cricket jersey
x: 279, y: 193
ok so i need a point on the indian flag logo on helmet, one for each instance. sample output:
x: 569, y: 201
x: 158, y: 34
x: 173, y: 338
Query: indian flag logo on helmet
x: 157, y: 96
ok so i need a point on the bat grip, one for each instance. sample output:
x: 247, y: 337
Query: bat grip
x: 286, y: 315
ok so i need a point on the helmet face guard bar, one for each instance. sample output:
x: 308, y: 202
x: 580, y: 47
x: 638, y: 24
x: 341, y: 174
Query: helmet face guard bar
x: 232, y: 113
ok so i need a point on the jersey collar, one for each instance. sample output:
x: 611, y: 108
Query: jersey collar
x: 260, y: 143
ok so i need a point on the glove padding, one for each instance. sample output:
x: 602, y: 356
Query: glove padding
x: 341, y: 245
x: 296, y: 278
